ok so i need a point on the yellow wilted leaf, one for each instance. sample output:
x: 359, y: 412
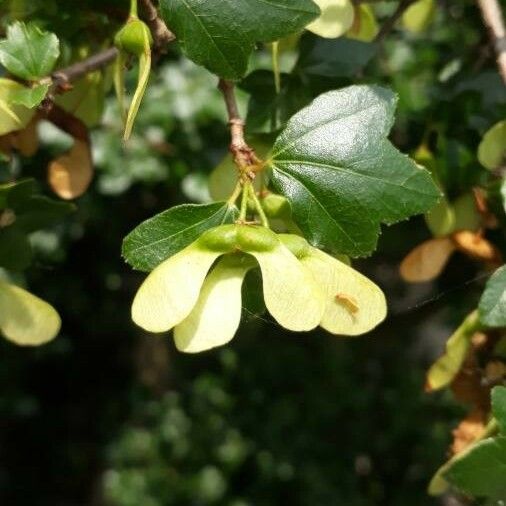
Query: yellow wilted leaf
x: 24, y: 318
x: 335, y: 19
x: 492, y: 148
x: 12, y: 116
x: 71, y: 174
x: 427, y: 260
x: 365, y: 26
x: 444, y: 370
x: 419, y: 15
x: 86, y: 98
x: 441, y: 218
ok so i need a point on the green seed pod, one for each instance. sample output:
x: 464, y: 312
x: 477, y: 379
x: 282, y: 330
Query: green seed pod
x: 135, y: 37
x: 255, y: 238
x: 297, y: 245
x: 222, y: 238
x: 276, y: 206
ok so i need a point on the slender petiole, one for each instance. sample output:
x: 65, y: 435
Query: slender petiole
x: 258, y: 206
x: 133, y: 8
x: 235, y: 194
x: 244, y: 202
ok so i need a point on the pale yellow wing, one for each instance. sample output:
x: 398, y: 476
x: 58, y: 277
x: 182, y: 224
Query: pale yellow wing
x: 354, y: 304
x: 291, y: 293
x: 215, y: 318
x: 171, y: 291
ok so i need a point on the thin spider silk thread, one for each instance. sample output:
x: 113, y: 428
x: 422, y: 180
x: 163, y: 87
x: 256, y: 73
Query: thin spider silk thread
x: 410, y: 309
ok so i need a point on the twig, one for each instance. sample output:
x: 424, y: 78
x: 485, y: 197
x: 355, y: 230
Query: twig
x: 493, y: 18
x: 62, y: 78
x: 161, y: 34
x: 68, y: 123
x: 389, y: 24
x: 244, y: 155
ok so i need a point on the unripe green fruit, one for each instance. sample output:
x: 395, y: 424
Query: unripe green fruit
x: 276, y: 206
x: 222, y: 238
x: 297, y: 245
x: 134, y: 37
x: 255, y: 238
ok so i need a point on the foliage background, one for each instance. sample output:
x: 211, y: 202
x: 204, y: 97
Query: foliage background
x: 109, y: 415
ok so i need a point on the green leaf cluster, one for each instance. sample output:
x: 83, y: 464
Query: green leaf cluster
x: 480, y: 470
x: 29, y: 52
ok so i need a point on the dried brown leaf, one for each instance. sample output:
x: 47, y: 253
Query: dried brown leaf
x: 427, y: 260
x: 71, y: 174
x: 476, y: 246
x: 468, y: 431
x: 26, y: 141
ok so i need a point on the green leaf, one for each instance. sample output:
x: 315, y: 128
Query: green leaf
x: 221, y: 34
x: 492, y: 305
x: 268, y: 111
x: 12, y: 116
x: 30, y: 97
x: 342, y: 176
x: 15, y: 193
x: 32, y: 212
x: 481, y: 471
x: 499, y: 407
x: 15, y: 250
x: 167, y: 233
x: 40, y: 212
x: 29, y: 52
x: 492, y: 148
x: 333, y: 58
